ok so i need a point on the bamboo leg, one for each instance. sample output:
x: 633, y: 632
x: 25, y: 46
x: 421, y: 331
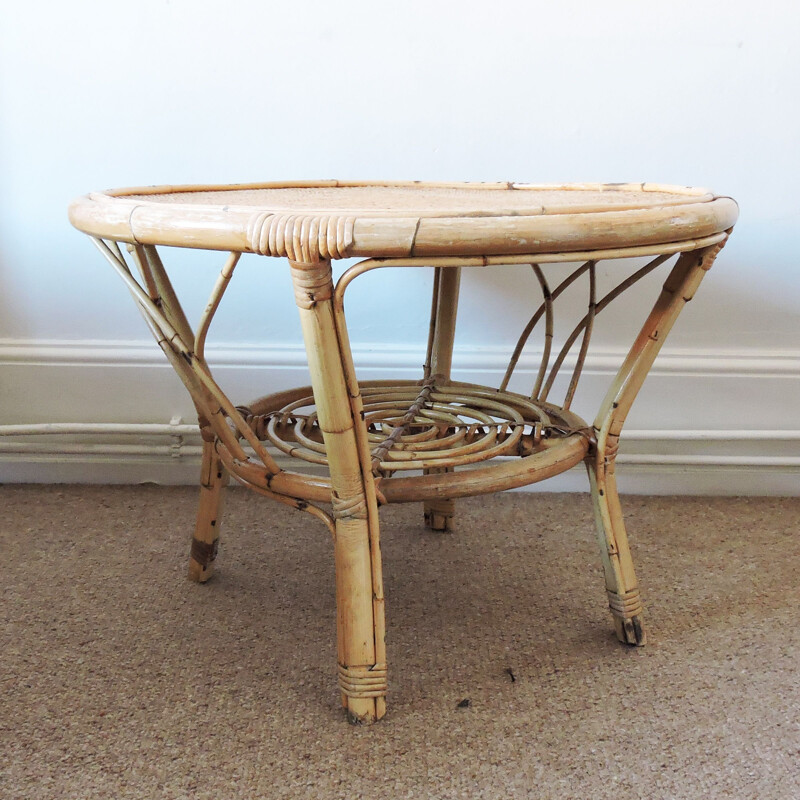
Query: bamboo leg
x: 622, y: 587
x: 439, y: 514
x: 359, y: 581
x: 621, y: 584
x: 214, y: 478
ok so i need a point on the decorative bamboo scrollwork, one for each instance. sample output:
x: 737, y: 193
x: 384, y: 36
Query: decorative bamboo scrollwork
x: 411, y: 427
x: 542, y: 387
x: 436, y: 425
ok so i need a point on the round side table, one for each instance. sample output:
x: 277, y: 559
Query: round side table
x: 435, y: 439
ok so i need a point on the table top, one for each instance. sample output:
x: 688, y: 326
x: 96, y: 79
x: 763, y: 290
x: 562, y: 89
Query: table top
x: 337, y: 219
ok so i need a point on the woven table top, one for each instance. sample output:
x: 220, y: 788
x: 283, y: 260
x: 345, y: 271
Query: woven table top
x: 330, y: 219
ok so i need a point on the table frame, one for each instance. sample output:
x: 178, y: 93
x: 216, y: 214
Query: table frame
x: 356, y: 487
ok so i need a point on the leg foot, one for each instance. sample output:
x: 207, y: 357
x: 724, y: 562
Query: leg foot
x: 440, y: 511
x: 363, y: 693
x: 628, y: 617
x: 440, y: 515
x: 359, y: 601
x: 630, y: 631
x: 205, y: 542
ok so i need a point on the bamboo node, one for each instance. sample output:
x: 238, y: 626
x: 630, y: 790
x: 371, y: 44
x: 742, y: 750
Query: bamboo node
x: 363, y: 681
x: 350, y: 507
x: 301, y: 237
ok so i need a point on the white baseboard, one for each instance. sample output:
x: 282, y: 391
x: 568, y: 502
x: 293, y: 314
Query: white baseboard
x: 380, y: 355
x: 706, y: 422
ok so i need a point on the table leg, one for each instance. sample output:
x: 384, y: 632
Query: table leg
x: 213, y: 479
x: 621, y: 583
x: 439, y: 513
x: 359, y: 581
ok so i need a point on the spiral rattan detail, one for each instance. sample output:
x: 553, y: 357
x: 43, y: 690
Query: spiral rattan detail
x: 414, y: 426
x: 453, y: 427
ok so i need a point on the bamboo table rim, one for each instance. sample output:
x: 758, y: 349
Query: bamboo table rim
x: 434, y: 439
x: 511, y: 217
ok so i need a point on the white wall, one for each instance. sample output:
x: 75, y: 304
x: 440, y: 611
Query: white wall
x: 102, y: 94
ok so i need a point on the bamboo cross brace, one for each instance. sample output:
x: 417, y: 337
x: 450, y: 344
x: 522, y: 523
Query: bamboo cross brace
x: 168, y: 339
x: 152, y: 269
x: 678, y: 289
x: 144, y: 301
x: 166, y: 336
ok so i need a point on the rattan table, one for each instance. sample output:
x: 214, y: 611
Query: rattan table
x: 431, y: 440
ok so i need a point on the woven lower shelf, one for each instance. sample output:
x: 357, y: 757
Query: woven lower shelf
x: 463, y: 438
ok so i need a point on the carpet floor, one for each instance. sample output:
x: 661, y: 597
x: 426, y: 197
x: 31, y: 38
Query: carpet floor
x: 121, y: 679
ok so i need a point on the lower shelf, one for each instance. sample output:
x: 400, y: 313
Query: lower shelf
x: 426, y: 440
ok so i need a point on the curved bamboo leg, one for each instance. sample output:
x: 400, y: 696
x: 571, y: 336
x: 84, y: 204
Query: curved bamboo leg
x: 359, y: 581
x: 622, y: 587
x: 213, y: 475
x: 213, y: 480
x: 621, y: 583
x: 439, y: 514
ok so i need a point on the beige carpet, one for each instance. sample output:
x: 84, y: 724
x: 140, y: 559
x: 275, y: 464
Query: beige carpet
x: 120, y: 679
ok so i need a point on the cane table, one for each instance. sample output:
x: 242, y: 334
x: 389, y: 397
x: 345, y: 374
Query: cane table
x: 431, y: 440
